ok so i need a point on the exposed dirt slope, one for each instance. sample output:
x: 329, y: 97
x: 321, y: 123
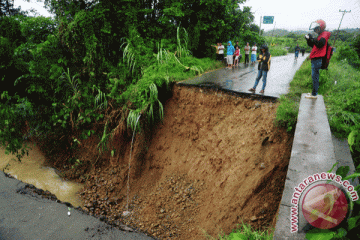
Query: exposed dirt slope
x: 216, y: 160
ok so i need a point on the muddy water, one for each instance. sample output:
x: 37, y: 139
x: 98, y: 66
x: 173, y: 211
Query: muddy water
x: 31, y: 170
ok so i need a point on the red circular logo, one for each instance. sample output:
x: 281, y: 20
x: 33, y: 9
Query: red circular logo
x: 325, y: 206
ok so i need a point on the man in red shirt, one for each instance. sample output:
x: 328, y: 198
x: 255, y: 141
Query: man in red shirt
x: 318, y: 52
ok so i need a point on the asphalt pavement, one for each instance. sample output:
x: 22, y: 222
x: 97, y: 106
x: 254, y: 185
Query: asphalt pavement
x: 242, y: 77
x: 27, y: 215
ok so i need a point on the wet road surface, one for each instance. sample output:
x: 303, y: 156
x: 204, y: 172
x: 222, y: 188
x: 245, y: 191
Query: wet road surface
x: 242, y: 78
x: 26, y: 215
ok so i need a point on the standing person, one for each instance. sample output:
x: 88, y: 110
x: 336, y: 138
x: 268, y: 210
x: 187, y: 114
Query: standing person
x: 318, y: 51
x: 264, y: 60
x: 302, y: 51
x: 221, y: 52
x: 297, y: 50
x: 247, y: 52
x: 253, y: 54
x: 236, y: 45
x: 230, y: 53
x: 217, y: 50
x: 237, y: 55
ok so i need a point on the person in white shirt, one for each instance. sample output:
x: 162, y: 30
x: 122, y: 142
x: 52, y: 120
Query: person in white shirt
x: 253, y: 54
x: 221, y: 52
x: 247, y: 52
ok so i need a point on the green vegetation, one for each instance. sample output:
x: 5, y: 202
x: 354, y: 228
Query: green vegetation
x: 97, y: 57
x: 244, y: 232
x: 288, y: 44
x: 277, y: 50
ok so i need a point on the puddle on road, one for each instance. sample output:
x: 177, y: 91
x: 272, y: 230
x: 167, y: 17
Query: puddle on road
x: 31, y: 170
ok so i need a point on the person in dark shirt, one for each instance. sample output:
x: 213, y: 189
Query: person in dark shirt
x: 302, y: 51
x: 264, y: 60
x: 297, y: 50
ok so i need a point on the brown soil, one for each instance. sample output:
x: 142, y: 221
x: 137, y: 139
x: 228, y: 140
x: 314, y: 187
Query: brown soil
x: 215, y: 161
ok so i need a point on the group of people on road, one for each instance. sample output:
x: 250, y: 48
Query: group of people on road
x: 233, y: 55
x: 317, y: 54
x: 297, y: 50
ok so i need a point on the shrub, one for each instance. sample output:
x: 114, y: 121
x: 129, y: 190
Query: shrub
x: 277, y: 51
x: 11, y: 125
x: 356, y: 44
x: 6, y: 52
x: 345, y: 52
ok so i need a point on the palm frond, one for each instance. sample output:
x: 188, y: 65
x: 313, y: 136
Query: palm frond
x: 103, y: 141
x: 100, y: 100
x: 133, y: 119
x: 129, y: 56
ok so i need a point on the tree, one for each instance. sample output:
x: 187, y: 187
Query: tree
x: 7, y: 9
x: 10, y: 39
x: 68, y: 8
x: 36, y: 29
x: 292, y: 35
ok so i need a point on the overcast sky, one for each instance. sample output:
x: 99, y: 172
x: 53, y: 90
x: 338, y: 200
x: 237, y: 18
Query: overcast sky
x: 287, y: 14
x: 292, y: 15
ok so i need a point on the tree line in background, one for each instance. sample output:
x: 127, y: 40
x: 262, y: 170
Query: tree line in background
x: 64, y: 71
x: 284, y: 38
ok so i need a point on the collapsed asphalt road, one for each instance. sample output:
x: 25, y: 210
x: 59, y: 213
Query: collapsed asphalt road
x: 241, y: 78
x: 26, y: 214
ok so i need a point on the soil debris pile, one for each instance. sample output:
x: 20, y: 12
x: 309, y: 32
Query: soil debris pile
x: 215, y: 161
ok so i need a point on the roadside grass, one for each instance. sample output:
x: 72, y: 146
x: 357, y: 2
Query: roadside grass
x: 287, y: 112
x: 277, y: 51
x: 244, y: 232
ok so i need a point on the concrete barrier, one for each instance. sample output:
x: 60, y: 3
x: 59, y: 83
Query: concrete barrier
x: 312, y: 152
